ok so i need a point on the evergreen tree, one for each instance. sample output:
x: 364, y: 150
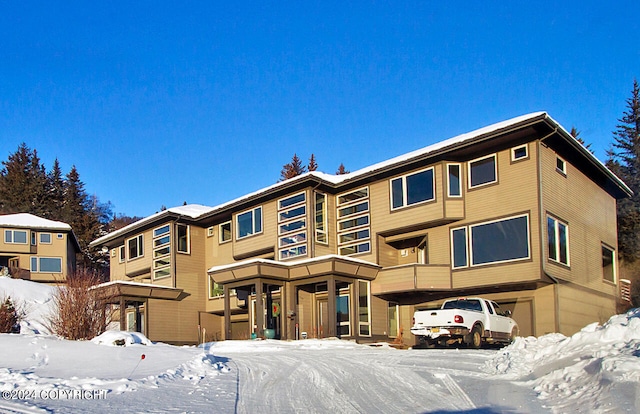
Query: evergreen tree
x: 55, y: 192
x: 313, y: 166
x: 23, y: 183
x: 624, y: 160
x: 342, y: 170
x: 576, y: 134
x: 292, y: 169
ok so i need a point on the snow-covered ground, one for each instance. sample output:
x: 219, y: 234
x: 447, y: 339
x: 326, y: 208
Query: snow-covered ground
x: 596, y: 370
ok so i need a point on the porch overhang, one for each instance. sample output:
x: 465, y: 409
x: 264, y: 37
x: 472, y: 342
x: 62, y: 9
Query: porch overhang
x: 117, y: 289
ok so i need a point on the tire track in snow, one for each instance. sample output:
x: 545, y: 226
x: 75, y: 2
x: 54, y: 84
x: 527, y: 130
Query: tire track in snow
x: 456, y: 391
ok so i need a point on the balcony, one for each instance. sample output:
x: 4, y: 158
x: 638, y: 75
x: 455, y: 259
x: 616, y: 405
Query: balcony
x: 412, y: 278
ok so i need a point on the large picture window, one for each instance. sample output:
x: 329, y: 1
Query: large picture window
x: 15, y: 236
x: 496, y: 241
x: 46, y: 264
x: 249, y: 222
x: 483, y: 171
x: 412, y: 189
x: 558, y: 240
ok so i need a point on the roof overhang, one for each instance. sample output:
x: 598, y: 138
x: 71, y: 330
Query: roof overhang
x: 131, y: 290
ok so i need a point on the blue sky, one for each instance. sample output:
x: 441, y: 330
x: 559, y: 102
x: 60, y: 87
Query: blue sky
x: 157, y: 103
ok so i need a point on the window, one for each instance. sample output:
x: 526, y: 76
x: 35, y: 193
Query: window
x: 483, y: 171
x: 364, y: 308
x: 33, y: 238
x: 454, y: 180
x: 121, y: 256
x: 321, y: 218
x: 412, y: 189
x: 342, y: 308
x: 60, y: 236
x: 15, y: 236
x: 183, y: 238
x: 210, y: 232
x: 394, y: 321
x: 519, y: 153
x: 608, y: 264
x: 353, y: 228
x: 292, y: 216
x: 249, y: 223
x: 45, y: 238
x: 225, y: 232
x: 561, y: 166
x: 558, y: 240
x: 496, y: 241
x: 135, y: 248
x: 46, y: 264
x: 162, y: 251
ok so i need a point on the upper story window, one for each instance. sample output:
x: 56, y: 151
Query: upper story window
x: 34, y: 238
x: 495, y: 241
x: 608, y: 264
x: 15, y: 236
x: 121, y: 254
x: 183, y: 238
x: 135, y: 247
x: 412, y: 189
x: 519, y: 153
x: 454, y: 180
x: 249, y: 223
x: 561, y: 166
x: 292, y: 227
x: 321, y: 218
x: 45, y: 238
x: 354, y: 234
x: 558, y: 240
x: 225, y: 232
x: 483, y: 171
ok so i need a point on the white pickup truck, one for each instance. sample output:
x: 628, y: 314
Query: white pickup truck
x: 471, y: 321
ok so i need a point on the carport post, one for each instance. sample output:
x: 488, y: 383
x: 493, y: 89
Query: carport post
x: 123, y: 314
x: 227, y: 313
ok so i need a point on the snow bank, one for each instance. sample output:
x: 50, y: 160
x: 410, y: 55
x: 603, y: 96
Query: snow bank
x: 581, y: 369
x: 273, y: 345
x: 121, y: 338
x: 33, y: 299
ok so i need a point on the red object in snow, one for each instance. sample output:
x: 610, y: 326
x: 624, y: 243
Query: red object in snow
x: 142, y: 357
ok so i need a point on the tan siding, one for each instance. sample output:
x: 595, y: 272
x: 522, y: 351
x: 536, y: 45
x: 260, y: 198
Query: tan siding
x: 591, y: 215
x: 579, y: 307
x: 261, y: 241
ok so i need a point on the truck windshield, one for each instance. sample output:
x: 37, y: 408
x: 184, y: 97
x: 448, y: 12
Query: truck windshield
x: 472, y: 305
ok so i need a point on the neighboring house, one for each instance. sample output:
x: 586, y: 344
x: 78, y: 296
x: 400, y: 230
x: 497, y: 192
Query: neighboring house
x: 37, y: 249
x: 519, y: 212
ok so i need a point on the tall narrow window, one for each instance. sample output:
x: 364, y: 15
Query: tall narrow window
x: 353, y: 225
x: 364, y: 308
x: 321, y: 218
x: 225, y: 232
x: 608, y: 264
x: 454, y: 181
x: 183, y: 238
x: 393, y: 319
x: 558, y: 240
x: 135, y: 247
x: 292, y: 227
x: 459, y: 247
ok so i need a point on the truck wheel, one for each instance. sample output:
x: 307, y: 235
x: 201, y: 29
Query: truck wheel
x: 475, y: 337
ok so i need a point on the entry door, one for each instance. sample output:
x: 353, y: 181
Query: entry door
x: 323, y: 318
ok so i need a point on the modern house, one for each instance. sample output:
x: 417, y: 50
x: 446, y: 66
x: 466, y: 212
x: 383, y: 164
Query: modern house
x: 519, y: 212
x: 37, y: 249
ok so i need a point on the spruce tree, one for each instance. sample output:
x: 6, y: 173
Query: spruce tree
x: 624, y: 160
x: 55, y: 192
x: 292, y: 169
x: 342, y: 170
x: 313, y: 165
x: 23, y: 183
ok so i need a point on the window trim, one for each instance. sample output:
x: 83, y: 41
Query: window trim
x: 614, y: 273
x: 188, y: 238
x: 556, y: 233
x: 43, y: 234
x: 122, y: 254
x: 522, y: 158
x: 221, y: 240
x: 38, y: 260
x: 460, y: 180
x: 405, y: 189
x: 469, y: 242
x: 470, y: 171
x: 562, y: 170
x: 360, y: 243
x: 139, y: 244
x: 253, y: 232
x: 13, y: 236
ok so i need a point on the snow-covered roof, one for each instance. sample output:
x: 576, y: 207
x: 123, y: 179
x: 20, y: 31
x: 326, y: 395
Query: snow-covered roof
x: 196, y: 211
x: 26, y: 220
x: 292, y: 262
